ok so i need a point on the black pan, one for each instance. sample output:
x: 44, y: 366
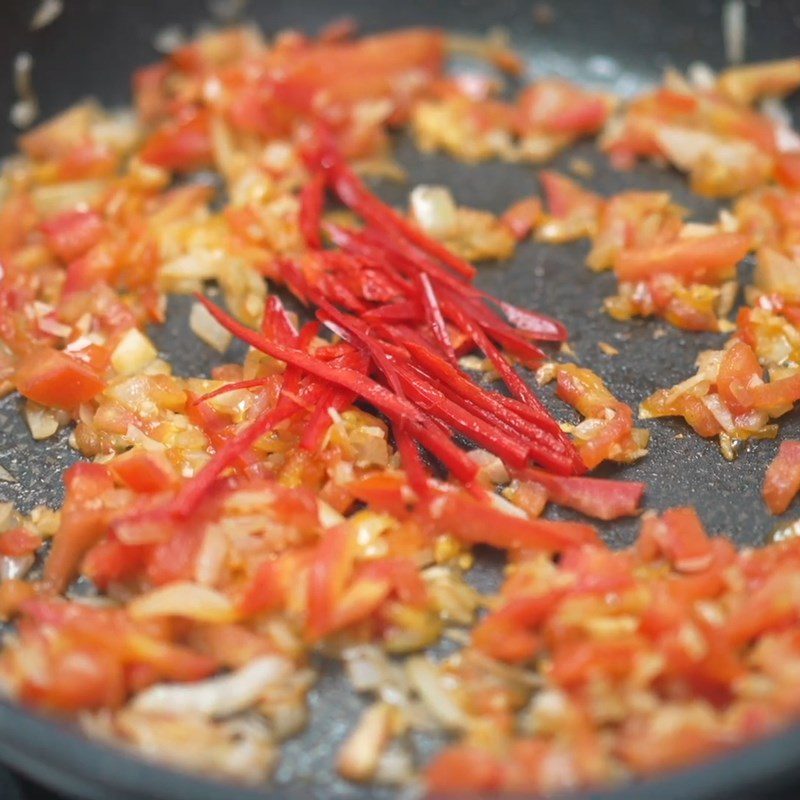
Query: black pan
x: 92, y: 49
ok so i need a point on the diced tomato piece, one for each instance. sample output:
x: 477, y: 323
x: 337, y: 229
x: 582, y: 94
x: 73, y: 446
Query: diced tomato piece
x: 330, y: 570
x: 19, y: 542
x: 14, y: 593
x: 596, y: 497
x: 143, y: 472
x: 81, y: 678
x: 559, y: 107
x: 462, y: 768
x: 682, y: 538
x: 148, y: 88
x: 566, y: 198
x: 706, y: 259
x: 522, y: 216
x: 84, y: 520
x: 699, y: 417
x: 56, y: 380
x: 782, y: 392
x: 787, y: 170
x: 111, y: 561
x: 510, y: 633
x: 601, y: 446
x: 739, y: 368
x: 782, y: 481
x: 266, y: 592
x: 72, y: 233
x: 461, y: 515
x: 181, y: 146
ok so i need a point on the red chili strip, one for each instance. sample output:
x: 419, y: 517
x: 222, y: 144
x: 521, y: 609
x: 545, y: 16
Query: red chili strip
x: 312, y: 201
x: 433, y: 314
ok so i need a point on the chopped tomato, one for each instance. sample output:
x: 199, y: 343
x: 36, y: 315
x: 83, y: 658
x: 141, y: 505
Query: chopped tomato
x: 55, y: 379
x: 181, y: 146
x: 595, y: 497
x: 143, y: 472
x: 782, y: 481
x: 19, y: 542
x: 72, y: 233
x: 707, y: 259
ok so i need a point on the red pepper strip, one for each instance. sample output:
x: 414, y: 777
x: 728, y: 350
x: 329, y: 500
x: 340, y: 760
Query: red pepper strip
x: 231, y: 387
x: 498, y: 330
x: 320, y: 419
x: 412, y: 461
x: 539, y: 326
x: 347, y: 378
x: 481, y: 523
x: 433, y: 314
x: 355, y: 195
x: 404, y: 311
x: 595, y: 497
x: 191, y: 493
x: 407, y: 258
x: 460, y: 465
x: 543, y: 447
x: 312, y: 201
x: 516, y: 385
x: 293, y: 277
x: 277, y: 324
x: 352, y: 243
x: 409, y: 453
x: 515, y: 413
x: 434, y: 402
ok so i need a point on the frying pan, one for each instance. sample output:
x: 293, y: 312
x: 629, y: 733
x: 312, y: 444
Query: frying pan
x: 92, y: 49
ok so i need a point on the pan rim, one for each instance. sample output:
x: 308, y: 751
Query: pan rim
x: 60, y: 757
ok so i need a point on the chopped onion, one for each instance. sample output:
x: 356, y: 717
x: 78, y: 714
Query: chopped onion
x: 216, y: 697
x: 206, y: 328
x: 169, y: 39
x: 435, y: 210
x: 25, y: 110
x: 42, y: 422
x: 701, y: 76
x: 13, y: 568
x: 492, y: 468
x: 133, y: 353
x: 359, y: 756
x: 184, y: 599
x: 226, y: 10
x: 6, y: 476
x: 46, y: 14
x: 426, y: 681
x: 734, y: 30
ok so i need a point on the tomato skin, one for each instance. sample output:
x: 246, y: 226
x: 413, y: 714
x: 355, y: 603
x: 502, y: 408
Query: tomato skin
x: 54, y: 379
x: 72, y: 233
x: 782, y: 480
x: 180, y: 146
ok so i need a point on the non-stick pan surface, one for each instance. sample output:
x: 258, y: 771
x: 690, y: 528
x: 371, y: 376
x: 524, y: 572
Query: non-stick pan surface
x: 92, y: 49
